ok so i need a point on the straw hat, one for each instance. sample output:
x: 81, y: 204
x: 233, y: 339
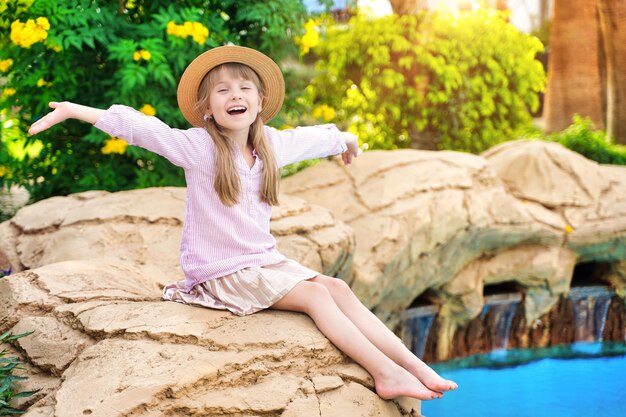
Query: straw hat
x: 268, y: 71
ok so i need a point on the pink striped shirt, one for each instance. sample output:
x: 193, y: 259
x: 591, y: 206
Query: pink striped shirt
x: 219, y: 240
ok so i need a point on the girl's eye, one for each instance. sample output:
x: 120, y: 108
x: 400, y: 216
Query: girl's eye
x: 222, y: 90
x: 245, y: 88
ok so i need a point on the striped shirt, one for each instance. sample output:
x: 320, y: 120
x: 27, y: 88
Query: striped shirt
x: 218, y: 240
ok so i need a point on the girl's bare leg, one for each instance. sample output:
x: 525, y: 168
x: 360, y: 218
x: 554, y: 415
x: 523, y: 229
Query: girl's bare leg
x: 380, y: 335
x: 390, y: 379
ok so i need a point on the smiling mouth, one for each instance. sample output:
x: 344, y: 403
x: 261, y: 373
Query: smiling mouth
x: 236, y: 110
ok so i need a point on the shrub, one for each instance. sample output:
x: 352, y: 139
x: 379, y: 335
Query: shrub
x: 7, y: 379
x: 593, y: 144
x: 98, y: 53
x: 430, y: 81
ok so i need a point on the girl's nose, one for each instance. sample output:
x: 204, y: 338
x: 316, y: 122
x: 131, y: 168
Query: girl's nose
x: 236, y: 95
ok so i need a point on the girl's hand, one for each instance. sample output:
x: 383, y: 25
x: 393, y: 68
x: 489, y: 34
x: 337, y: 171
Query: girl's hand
x: 353, y: 148
x: 62, y: 111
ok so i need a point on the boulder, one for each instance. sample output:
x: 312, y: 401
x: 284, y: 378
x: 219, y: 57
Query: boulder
x: 524, y: 212
x: 119, y: 352
x: 143, y: 228
x: 89, y: 272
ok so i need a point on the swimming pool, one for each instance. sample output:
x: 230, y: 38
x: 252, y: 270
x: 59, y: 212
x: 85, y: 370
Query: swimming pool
x: 581, y: 380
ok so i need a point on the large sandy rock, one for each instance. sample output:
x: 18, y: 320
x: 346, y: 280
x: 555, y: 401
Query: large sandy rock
x: 143, y: 228
x: 589, y: 197
x: 105, y: 345
x: 422, y: 218
x: 524, y: 212
x: 93, y: 265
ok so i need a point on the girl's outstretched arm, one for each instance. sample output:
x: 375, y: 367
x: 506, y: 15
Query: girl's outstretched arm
x: 63, y: 111
x: 183, y: 148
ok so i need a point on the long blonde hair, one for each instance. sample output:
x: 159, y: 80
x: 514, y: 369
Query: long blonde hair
x: 227, y: 181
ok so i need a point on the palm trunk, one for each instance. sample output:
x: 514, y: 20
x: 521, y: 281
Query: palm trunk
x: 574, y: 81
x: 612, y: 14
x: 406, y: 7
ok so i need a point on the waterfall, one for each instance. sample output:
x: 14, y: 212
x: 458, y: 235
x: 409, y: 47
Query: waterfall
x: 501, y: 310
x: 416, y: 325
x: 590, y: 305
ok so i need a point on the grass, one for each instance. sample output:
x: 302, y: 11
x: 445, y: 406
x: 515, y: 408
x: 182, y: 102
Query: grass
x: 8, y: 364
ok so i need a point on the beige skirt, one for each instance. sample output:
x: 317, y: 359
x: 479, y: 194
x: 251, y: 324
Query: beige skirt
x: 243, y: 292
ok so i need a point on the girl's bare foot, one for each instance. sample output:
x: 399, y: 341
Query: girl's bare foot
x: 399, y: 382
x: 430, y: 378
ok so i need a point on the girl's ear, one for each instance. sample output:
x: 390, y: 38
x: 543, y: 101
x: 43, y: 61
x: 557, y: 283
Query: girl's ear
x: 260, y: 103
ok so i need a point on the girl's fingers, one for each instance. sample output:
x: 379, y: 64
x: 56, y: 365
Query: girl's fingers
x: 40, y: 125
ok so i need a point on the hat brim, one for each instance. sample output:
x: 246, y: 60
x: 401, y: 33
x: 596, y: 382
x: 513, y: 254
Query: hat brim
x: 269, y: 73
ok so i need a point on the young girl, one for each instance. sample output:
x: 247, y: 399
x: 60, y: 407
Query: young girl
x: 231, y: 162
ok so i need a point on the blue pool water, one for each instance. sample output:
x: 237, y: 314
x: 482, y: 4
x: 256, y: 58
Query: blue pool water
x: 577, y: 381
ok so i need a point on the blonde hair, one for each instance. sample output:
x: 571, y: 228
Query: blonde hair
x: 227, y: 181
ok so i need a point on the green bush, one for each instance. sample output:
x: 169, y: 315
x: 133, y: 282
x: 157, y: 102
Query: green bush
x: 7, y: 379
x: 593, y: 144
x: 98, y: 53
x: 432, y: 81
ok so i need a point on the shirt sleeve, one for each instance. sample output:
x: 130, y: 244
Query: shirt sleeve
x: 181, y: 147
x: 302, y: 143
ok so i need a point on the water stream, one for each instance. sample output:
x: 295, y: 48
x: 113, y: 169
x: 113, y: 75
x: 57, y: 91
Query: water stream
x: 502, y: 309
x: 416, y: 326
x: 590, y: 305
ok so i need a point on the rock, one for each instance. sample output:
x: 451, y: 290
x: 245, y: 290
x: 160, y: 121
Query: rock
x: 420, y: 219
x: 12, y: 199
x: 395, y: 225
x: 89, y: 290
x: 590, y: 197
x: 311, y: 235
x: 54, y: 345
x: 452, y: 223
x: 143, y: 228
x: 617, y: 277
x: 146, y: 357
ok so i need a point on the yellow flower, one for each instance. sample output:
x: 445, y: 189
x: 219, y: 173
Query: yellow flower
x: 200, y: 33
x: 325, y: 112
x: 148, y: 109
x: 41, y: 82
x: 9, y: 92
x: 142, y: 54
x: 29, y: 33
x: 3, y: 171
x: 569, y: 229
x: 43, y: 22
x: 114, y: 145
x: 5, y: 64
x: 196, y: 30
x: 310, y: 39
x: 54, y: 46
x: 171, y: 28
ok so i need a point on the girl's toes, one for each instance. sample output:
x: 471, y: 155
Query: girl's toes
x: 452, y: 385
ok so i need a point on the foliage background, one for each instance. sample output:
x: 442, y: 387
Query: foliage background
x: 430, y: 81
x: 98, y: 53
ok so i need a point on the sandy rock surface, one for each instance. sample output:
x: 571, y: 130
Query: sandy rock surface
x: 394, y: 224
x: 104, y: 344
x: 525, y: 212
x: 104, y: 350
x: 143, y: 228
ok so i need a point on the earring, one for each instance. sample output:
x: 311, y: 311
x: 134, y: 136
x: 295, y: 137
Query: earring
x: 207, y: 117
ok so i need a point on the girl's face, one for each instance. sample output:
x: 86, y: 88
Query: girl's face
x: 234, y: 102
